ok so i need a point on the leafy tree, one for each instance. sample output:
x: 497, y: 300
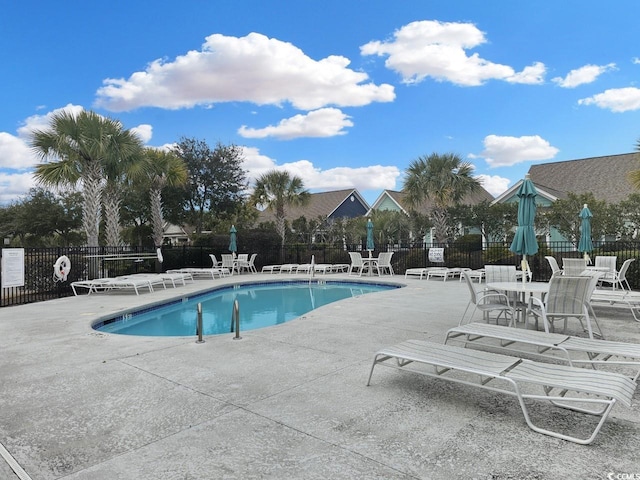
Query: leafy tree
x: 493, y: 221
x: 77, y: 148
x: 629, y: 210
x: 43, y: 218
x: 214, y: 187
x: 563, y: 215
x: 276, y: 190
x: 445, y: 180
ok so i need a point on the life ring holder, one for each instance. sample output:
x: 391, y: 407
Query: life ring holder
x: 61, y: 269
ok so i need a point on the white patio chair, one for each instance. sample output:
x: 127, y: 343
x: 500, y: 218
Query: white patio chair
x: 356, y: 263
x: 573, y: 266
x: 247, y: 264
x: 215, y: 261
x: 384, y: 263
x: 229, y: 262
x: 568, y: 297
x: 620, y: 277
x: 486, y: 301
x: 553, y: 263
x: 505, y: 273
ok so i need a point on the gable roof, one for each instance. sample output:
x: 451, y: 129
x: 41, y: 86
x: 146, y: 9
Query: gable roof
x: 605, y: 177
x: 324, y: 204
x: 399, y: 198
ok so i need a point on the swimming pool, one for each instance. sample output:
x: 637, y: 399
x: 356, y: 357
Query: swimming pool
x: 261, y: 305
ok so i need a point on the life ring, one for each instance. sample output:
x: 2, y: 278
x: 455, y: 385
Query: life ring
x: 61, y: 268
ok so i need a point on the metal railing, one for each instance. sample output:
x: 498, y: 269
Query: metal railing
x: 98, y: 262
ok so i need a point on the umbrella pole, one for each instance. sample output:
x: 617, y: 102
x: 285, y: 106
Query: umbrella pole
x: 524, y: 266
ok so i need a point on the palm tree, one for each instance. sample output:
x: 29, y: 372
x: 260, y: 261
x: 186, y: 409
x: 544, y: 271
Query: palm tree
x: 445, y: 180
x: 164, y: 169
x: 277, y: 189
x: 76, y: 148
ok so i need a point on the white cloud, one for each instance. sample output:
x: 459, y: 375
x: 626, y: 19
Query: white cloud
x: 14, y: 185
x: 494, y: 184
x: 615, y: 99
x: 635, y: 60
x: 531, y: 75
x: 42, y: 122
x: 362, y: 178
x: 144, y: 131
x: 436, y: 49
x: 507, y: 151
x: 254, y: 68
x: 15, y: 153
x: 326, y: 122
x: 582, y: 75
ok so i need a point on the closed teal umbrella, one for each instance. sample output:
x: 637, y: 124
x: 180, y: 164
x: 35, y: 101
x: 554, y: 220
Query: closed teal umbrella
x: 232, y: 239
x: 370, y: 245
x: 524, y: 242
x: 585, y: 245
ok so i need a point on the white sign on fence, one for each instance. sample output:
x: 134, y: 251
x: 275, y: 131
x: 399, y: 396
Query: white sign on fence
x: 12, y: 267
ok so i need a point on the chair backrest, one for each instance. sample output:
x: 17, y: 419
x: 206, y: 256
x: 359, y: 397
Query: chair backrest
x: 607, y: 261
x: 595, y: 278
x: 356, y: 259
x: 214, y: 260
x: 436, y: 255
x: 622, y: 274
x: 471, y: 286
x: 568, y: 295
x: 574, y: 266
x: 384, y: 259
x: 227, y: 260
x: 252, y: 259
x: 243, y: 257
x: 553, y: 263
x: 500, y: 273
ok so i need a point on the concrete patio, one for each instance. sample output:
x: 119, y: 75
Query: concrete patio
x: 284, y: 402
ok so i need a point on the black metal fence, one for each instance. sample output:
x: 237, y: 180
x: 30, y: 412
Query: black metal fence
x: 96, y: 262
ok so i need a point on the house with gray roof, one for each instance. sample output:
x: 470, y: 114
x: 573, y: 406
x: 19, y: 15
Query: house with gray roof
x: 330, y: 205
x: 604, y: 177
x: 396, y: 202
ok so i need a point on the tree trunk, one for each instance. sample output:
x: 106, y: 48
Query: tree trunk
x: 157, y: 220
x: 112, y: 216
x: 91, y: 201
x: 440, y: 227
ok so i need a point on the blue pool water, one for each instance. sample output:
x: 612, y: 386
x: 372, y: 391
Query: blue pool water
x: 261, y: 305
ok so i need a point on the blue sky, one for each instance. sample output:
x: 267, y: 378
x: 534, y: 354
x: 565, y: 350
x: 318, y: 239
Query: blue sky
x: 343, y: 93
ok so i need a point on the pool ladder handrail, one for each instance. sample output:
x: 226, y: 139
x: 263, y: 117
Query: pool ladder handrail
x: 235, y: 319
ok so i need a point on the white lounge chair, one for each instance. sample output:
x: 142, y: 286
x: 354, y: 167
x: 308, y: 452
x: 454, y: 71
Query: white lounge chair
x: 443, y: 272
x: 422, y: 272
x: 618, y: 299
x: 574, y: 351
x: 271, y: 268
x: 202, y: 272
x: 288, y: 268
x: 577, y: 389
x: 95, y: 285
